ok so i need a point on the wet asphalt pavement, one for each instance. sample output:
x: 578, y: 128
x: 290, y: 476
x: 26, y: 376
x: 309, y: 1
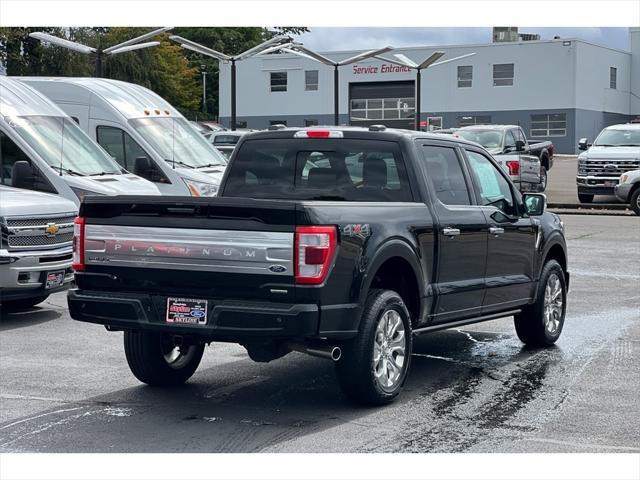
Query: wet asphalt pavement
x: 65, y: 385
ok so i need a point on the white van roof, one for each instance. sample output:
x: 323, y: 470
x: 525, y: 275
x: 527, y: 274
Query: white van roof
x: 131, y: 100
x: 16, y: 98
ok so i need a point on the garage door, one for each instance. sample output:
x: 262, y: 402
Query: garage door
x: 387, y: 103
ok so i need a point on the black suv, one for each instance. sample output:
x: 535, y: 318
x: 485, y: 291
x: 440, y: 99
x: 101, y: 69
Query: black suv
x: 337, y: 242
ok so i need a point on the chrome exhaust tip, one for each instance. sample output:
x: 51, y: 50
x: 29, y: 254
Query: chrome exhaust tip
x: 326, y: 352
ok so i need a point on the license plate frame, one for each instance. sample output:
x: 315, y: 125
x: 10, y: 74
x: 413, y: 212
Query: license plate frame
x: 53, y: 279
x: 610, y: 183
x: 186, y: 311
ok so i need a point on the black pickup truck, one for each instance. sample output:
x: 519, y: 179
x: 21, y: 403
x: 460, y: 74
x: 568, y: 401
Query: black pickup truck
x: 338, y: 242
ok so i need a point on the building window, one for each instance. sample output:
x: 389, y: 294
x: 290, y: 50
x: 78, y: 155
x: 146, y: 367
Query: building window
x: 548, y: 125
x: 382, y: 108
x: 474, y: 120
x: 310, y: 122
x: 311, y: 80
x: 465, y: 76
x: 277, y: 122
x: 613, y: 77
x: 503, y: 74
x: 278, y: 81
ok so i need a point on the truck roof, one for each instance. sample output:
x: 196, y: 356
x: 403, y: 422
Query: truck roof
x: 488, y: 125
x: 378, y: 132
x: 624, y: 126
x: 131, y: 100
x: 18, y: 99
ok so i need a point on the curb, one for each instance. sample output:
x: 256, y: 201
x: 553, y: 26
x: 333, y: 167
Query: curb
x: 611, y: 213
x: 590, y: 206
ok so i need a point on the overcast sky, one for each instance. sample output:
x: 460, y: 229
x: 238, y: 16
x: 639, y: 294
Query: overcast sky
x: 337, y: 38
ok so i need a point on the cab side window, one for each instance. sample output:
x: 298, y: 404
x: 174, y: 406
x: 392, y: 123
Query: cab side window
x: 445, y: 174
x: 509, y: 140
x: 10, y: 153
x: 120, y: 146
x: 493, y: 187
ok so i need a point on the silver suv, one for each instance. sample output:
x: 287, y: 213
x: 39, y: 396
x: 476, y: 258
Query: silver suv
x: 36, y: 233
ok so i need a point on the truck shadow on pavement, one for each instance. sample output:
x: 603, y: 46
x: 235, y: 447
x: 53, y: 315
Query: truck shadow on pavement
x: 11, y: 319
x: 241, y: 406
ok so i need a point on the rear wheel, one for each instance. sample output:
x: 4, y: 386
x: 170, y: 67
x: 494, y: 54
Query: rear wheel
x: 543, y: 179
x: 24, y: 303
x: 154, y: 358
x: 540, y: 324
x: 374, y: 365
x: 585, y: 198
x: 635, y: 201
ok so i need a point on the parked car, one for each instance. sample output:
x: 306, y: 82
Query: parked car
x: 506, y: 144
x: 342, y: 243
x: 226, y: 140
x: 543, y: 150
x: 43, y: 149
x: 447, y: 131
x: 628, y: 189
x: 141, y: 130
x: 36, y: 231
x: 615, y: 151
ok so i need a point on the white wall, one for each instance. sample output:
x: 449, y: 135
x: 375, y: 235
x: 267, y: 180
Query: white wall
x: 592, y: 86
x: 634, y: 40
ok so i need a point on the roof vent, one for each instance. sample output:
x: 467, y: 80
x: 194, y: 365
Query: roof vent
x: 277, y: 126
x: 377, y: 128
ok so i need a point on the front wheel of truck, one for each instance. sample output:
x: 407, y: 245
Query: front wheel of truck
x: 154, y: 358
x: 374, y: 365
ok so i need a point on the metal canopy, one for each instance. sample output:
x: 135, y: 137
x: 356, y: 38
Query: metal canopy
x: 61, y: 42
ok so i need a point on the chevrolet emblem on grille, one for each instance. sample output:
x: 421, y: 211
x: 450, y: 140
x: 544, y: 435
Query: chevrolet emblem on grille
x: 52, y: 229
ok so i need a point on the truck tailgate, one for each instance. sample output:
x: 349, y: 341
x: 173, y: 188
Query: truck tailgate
x: 210, y: 247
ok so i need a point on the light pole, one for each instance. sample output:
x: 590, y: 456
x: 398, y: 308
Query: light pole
x: 99, y: 53
x: 203, y: 70
x: 208, y: 52
x: 304, y: 52
x: 418, y: 67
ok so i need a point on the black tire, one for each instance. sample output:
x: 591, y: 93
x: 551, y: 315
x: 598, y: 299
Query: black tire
x: 585, y: 198
x: 544, y: 178
x: 24, y: 303
x: 531, y: 325
x: 635, y: 201
x: 146, y: 350
x: 356, y: 369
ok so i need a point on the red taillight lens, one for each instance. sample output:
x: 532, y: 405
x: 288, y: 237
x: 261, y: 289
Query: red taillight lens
x: 78, y: 244
x: 514, y: 167
x: 314, y: 251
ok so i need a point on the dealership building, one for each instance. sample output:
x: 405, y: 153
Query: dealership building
x: 561, y: 89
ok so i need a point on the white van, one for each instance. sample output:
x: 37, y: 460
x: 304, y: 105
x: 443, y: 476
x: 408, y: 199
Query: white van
x: 141, y: 130
x: 42, y: 149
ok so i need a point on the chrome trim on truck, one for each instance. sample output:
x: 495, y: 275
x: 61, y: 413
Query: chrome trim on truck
x: 229, y: 251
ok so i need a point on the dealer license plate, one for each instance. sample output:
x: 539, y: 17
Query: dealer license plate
x: 186, y: 311
x: 54, y: 279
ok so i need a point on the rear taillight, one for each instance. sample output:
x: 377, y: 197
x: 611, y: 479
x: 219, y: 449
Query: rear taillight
x: 315, y: 247
x: 78, y: 244
x: 514, y: 167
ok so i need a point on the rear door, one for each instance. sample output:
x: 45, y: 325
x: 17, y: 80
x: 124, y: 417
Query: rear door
x: 511, y: 236
x: 461, y: 236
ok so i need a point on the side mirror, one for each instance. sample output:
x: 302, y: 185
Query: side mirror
x: 142, y: 166
x: 534, y: 203
x: 583, y: 144
x: 22, y: 175
x: 520, y: 146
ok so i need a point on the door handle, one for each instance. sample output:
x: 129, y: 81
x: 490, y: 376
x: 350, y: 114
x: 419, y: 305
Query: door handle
x: 496, y: 231
x: 451, y: 232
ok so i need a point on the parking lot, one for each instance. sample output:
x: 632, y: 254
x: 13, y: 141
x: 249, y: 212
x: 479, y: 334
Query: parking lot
x: 65, y: 385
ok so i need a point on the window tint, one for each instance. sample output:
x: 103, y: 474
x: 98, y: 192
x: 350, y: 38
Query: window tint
x: 278, y: 81
x: 493, y: 187
x: 120, y: 146
x: 320, y: 169
x: 445, y: 174
x: 509, y: 139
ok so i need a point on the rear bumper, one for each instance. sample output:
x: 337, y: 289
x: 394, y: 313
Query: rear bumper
x: 227, y: 320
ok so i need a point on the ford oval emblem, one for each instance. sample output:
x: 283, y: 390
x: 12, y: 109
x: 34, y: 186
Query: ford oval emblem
x: 278, y: 268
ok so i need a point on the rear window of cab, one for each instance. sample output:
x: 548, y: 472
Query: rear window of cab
x: 319, y: 169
